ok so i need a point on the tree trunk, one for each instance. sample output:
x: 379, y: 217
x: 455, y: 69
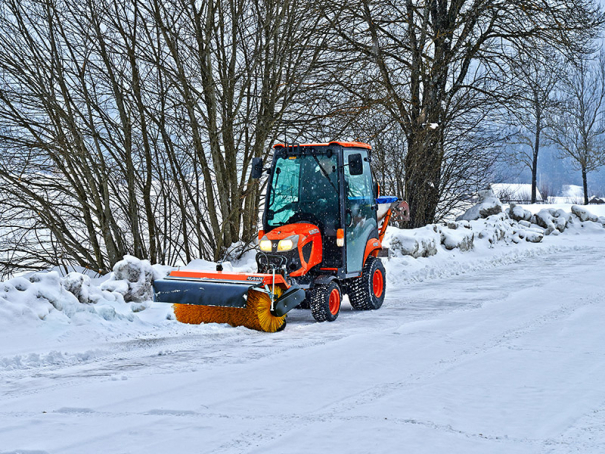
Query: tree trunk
x: 585, y: 184
x: 423, y: 176
x: 534, y: 166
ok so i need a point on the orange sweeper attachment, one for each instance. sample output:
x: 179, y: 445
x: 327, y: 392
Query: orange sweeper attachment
x: 321, y: 238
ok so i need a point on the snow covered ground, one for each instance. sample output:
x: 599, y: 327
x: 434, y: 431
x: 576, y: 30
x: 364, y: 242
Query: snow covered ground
x: 494, y: 350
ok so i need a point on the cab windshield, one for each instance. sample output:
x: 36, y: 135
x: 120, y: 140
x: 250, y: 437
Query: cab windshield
x: 304, y: 188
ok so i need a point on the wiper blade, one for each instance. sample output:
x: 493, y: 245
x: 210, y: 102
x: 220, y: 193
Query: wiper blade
x: 325, y: 174
x: 273, y: 186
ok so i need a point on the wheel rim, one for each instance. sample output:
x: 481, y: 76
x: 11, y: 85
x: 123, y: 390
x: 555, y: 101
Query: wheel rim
x: 334, y: 301
x: 378, y: 283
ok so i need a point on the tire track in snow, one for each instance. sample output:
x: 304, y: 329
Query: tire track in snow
x: 333, y: 412
x: 498, y: 340
x: 587, y: 435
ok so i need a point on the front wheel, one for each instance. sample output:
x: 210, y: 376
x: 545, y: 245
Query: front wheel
x: 367, y: 292
x: 325, y: 302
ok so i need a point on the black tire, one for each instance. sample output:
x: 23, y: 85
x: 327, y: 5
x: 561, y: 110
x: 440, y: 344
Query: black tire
x: 325, y: 302
x: 306, y: 303
x: 283, y: 327
x: 367, y: 292
x: 303, y: 305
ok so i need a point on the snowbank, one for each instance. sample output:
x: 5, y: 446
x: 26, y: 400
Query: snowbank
x: 47, y: 296
x: 489, y: 204
x: 132, y: 278
x: 420, y: 242
x: 489, y: 240
x: 484, y: 223
x: 583, y: 214
x: 76, y: 298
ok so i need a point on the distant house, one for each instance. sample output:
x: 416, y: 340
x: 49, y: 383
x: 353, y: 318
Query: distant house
x: 518, y: 193
x: 596, y: 201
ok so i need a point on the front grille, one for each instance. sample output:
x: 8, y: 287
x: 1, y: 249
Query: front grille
x: 306, y: 250
x: 285, y: 262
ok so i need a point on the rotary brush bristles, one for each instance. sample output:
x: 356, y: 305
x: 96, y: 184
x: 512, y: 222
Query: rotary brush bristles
x: 256, y: 315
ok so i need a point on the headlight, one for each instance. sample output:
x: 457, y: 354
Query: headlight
x: 285, y: 245
x: 265, y: 245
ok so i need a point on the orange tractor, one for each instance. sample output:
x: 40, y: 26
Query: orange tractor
x: 323, y: 225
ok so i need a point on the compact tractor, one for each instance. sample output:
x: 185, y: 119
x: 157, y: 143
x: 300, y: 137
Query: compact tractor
x: 321, y: 238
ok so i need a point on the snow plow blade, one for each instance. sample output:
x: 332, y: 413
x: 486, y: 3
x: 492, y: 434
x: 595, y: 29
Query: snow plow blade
x: 203, y: 292
x: 250, y: 300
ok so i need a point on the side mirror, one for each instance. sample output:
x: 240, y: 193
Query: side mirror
x: 355, y: 164
x: 257, y: 168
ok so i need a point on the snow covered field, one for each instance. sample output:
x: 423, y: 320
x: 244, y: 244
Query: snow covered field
x: 495, y: 350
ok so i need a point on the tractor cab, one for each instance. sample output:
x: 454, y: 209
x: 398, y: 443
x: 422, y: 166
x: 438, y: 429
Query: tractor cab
x: 320, y: 210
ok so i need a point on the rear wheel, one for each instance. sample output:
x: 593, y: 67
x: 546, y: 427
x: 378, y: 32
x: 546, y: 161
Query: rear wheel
x: 325, y: 302
x: 367, y: 292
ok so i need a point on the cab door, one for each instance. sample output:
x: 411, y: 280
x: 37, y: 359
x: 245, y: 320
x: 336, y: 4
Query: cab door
x: 360, y: 216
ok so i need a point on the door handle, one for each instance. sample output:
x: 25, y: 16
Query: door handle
x: 348, y: 218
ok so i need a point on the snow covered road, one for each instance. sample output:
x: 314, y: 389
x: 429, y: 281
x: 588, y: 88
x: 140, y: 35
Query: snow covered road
x: 508, y: 358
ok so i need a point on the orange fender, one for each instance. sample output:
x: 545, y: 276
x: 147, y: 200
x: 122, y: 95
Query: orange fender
x: 373, y: 246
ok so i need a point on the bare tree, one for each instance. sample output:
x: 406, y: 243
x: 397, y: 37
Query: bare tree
x: 534, y: 78
x: 546, y: 191
x: 433, y: 59
x: 128, y: 126
x: 578, y: 128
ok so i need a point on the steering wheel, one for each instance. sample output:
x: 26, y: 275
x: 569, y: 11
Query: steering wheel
x: 287, y: 206
x: 305, y: 217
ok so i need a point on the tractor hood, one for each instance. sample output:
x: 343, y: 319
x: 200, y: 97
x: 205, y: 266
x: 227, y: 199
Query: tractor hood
x: 301, y: 230
x: 299, y: 242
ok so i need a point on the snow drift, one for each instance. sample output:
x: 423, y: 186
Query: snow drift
x: 46, y: 296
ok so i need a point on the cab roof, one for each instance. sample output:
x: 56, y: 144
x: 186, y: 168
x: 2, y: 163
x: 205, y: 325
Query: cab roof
x: 343, y: 144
